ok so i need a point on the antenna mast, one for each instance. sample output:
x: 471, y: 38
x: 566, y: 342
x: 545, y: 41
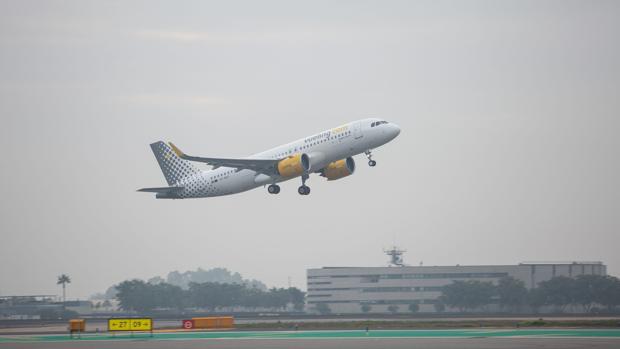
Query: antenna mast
x: 396, y: 256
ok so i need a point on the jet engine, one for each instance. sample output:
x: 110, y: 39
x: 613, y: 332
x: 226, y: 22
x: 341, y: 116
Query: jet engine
x: 339, y: 169
x: 293, y: 166
x: 313, y: 162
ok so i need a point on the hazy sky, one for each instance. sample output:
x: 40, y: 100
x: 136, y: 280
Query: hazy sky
x: 509, y: 149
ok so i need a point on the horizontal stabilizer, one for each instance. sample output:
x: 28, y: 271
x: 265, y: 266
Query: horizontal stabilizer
x: 162, y: 190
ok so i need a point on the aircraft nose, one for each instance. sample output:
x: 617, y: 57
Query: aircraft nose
x: 394, y: 130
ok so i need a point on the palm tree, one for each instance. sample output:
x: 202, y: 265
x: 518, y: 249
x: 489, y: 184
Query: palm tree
x: 63, y: 280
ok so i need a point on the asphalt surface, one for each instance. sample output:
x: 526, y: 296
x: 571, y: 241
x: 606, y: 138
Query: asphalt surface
x: 356, y: 343
x: 457, y: 338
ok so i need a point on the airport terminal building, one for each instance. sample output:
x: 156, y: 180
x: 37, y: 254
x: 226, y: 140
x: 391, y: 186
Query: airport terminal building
x: 347, y: 289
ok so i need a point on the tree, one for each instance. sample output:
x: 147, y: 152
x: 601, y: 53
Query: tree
x: 536, y: 298
x: 609, y: 294
x: 212, y: 295
x: 366, y: 308
x: 140, y: 296
x: 323, y: 308
x: 156, y: 280
x: 133, y: 295
x: 414, y: 307
x: 137, y: 295
x: 558, y: 291
x: 209, y: 295
x: 586, y: 289
x: 252, y: 298
x: 393, y: 308
x: 279, y: 298
x: 469, y: 294
x: 512, y: 293
x: 110, y: 293
x: 215, y: 275
x: 167, y: 296
x: 440, y: 307
x: 297, y: 297
x: 63, y: 280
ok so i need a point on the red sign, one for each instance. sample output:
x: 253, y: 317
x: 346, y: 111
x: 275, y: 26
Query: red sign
x: 188, y: 324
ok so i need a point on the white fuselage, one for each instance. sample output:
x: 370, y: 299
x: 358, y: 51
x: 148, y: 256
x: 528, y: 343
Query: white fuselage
x: 322, y: 148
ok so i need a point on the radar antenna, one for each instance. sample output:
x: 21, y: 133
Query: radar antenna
x: 396, y: 256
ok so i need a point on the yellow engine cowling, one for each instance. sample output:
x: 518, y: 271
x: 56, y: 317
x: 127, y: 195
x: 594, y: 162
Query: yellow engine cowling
x: 338, y: 169
x: 292, y: 166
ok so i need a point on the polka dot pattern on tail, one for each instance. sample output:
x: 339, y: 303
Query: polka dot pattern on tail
x: 174, y: 168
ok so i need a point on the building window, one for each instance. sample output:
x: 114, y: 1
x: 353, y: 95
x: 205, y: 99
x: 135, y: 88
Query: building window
x: 366, y: 278
x: 333, y: 289
x: 370, y: 279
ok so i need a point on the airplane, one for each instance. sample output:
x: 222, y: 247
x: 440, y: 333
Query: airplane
x: 328, y: 153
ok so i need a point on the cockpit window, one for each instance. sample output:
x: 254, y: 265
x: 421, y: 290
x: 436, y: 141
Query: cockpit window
x: 377, y: 123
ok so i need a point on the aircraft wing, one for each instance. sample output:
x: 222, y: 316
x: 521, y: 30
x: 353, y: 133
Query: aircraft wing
x: 266, y: 166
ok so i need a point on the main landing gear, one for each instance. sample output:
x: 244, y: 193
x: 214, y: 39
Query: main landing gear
x: 371, y: 162
x: 304, y: 189
x: 273, y: 189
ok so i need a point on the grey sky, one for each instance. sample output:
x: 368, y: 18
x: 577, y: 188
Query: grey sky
x: 508, y: 152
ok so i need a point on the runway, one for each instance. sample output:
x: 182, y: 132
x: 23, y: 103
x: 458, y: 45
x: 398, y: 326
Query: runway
x: 479, y: 338
x: 411, y: 343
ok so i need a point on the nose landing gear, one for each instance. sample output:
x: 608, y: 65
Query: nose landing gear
x: 304, y: 189
x: 371, y: 162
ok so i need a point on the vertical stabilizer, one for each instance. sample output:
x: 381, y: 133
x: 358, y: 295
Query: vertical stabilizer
x: 173, y: 167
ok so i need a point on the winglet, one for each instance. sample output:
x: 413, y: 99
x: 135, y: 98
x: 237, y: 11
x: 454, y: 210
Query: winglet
x: 176, y: 150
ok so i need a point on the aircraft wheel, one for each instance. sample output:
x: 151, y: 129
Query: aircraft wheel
x: 372, y: 163
x: 273, y: 189
x: 303, y: 190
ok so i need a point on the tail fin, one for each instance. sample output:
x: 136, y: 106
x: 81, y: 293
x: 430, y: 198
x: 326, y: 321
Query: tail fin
x: 173, y: 167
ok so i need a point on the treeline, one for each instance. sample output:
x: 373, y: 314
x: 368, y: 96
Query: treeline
x: 585, y: 292
x: 220, y: 275
x: 140, y: 296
